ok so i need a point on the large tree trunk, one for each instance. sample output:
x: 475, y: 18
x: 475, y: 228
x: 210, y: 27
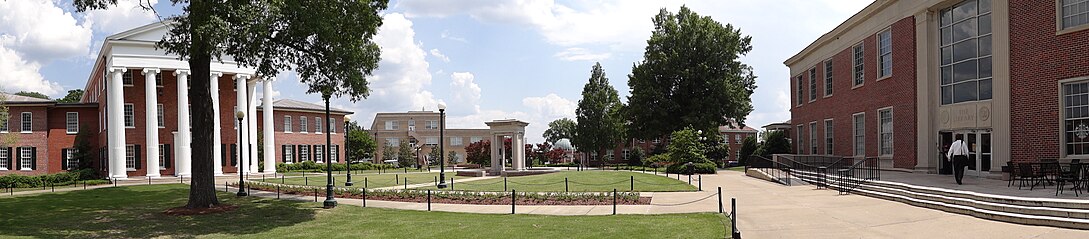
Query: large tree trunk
x: 202, y: 192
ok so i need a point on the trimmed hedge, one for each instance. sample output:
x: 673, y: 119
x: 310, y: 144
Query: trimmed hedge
x: 561, y: 165
x: 57, y: 179
x: 310, y: 166
x: 697, y: 168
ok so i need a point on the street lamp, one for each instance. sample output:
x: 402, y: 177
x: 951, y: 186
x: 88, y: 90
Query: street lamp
x: 241, y: 169
x: 442, y: 143
x: 347, y: 158
x: 329, y: 201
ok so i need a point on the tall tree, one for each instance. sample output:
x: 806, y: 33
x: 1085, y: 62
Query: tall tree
x: 479, y: 152
x: 5, y: 139
x: 691, y: 75
x: 33, y: 94
x: 434, y: 156
x: 73, y: 96
x: 748, y: 147
x: 388, y: 152
x: 406, y: 154
x: 360, y: 144
x: 598, y: 114
x: 559, y: 129
x: 684, y: 147
x: 328, y: 42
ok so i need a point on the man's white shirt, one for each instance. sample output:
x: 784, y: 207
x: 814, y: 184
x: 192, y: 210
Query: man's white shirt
x: 957, y: 148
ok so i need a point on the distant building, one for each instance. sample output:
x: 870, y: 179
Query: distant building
x: 421, y: 130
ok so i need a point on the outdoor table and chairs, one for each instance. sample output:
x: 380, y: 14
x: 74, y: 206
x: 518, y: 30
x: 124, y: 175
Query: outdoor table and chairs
x: 1047, y: 172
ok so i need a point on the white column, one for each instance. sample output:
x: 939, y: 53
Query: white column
x: 183, y: 159
x: 217, y: 135
x: 115, y: 107
x: 518, y: 160
x: 270, y: 141
x: 240, y: 104
x: 251, y: 126
x: 151, y: 122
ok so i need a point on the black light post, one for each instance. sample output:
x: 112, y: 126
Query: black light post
x: 442, y: 143
x: 347, y: 158
x: 329, y: 201
x: 241, y: 169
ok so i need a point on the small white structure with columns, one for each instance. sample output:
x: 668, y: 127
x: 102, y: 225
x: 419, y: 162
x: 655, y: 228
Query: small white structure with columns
x: 516, y: 130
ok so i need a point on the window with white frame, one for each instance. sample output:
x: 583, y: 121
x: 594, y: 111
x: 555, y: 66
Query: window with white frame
x: 860, y: 134
x: 801, y: 141
x: 319, y: 153
x: 317, y: 125
x: 884, y: 53
x: 455, y: 141
x: 126, y: 78
x: 828, y: 133
x: 475, y: 139
x: 27, y: 122
x: 302, y: 124
x: 130, y: 116
x: 130, y: 156
x: 432, y: 124
x: 813, y: 84
x: 393, y: 141
x: 5, y: 157
x: 1074, y: 13
x: 4, y: 125
x: 70, y: 157
x: 71, y: 122
x: 159, y: 79
x: 726, y: 139
x: 801, y: 90
x: 813, y: 138
x: 411, y: 125
x: 332, y: 125
x: 885, y: 131
x: 391, y: 125
x: 1075, y: 118
x: 287, y: 124
x: 965, y: 50
x: 859, y: 64
x: 289, y: 154
x: 828, y: 77
x: 26, y: 158
x: 334, y: 154
x: 159, y: 116
x: 432, y: 140
x: 737, y: 138
x: 162, y: 156
x: 304, y: 152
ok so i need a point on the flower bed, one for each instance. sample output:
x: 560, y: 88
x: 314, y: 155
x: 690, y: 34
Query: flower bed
x: 464, y: 197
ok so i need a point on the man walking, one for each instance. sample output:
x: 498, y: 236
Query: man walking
x: 958, y: 151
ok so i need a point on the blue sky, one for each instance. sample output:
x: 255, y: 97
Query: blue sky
x: 485, y: 59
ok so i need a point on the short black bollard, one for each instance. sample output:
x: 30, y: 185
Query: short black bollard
x: 397, y: 178
x: 224, y: 187
x: 632, y: 183
x: 148, y: 180
x: 406, y: 169
x: 262, y: 177
x: 277, y: 191
x: 406, y: 183
x: 436, y: 181
x: 733, y: 219
x: 364, y: 197
x: 689, y: 179
x: 451, y: 183
x: 84, y: 184
x: 504, y: 183
x: 565, y: 188
x: 720, y: 200
x: 429, y: 200
x: 315, y: 195
x: 52, y: 188
x: 306, y: 180
x: 700, y: 182
x: 283, y: 178
x: 614, y: 201
x: 114, y: 182
x: 512, y: 195
x: 364, y: 182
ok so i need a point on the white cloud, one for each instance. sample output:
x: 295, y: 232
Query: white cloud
x: 438, y: 54
x: 580, y: 54
x: 465, y: 91
x: 551, y: 106
x: 41, y: 31
x: 447, y: 35
x: 127, y: 14
x: 17, y: 74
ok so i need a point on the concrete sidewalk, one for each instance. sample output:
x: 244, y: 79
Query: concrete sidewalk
x: 770, y: 210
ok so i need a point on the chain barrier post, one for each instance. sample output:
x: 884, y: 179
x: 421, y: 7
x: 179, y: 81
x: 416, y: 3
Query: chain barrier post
x: 504, y: 183
x: 429, y: 200
x: 720, y: 200
x: 365, y: 196
x: 614, y: 201
x: 565, y: 188
x: 512, y: 196
x: 632, y: 188
x: 700, y: 182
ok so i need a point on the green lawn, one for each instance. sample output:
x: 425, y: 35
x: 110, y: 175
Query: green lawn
x: 579, y: 181
x: 355, y: 172
x: 136, y: 212
x: 372, y: 180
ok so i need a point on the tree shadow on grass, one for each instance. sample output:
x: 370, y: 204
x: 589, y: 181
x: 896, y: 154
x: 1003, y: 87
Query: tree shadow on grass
x: 137, y: 212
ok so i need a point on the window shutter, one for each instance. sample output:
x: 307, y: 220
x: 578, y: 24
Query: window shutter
x: 312, y: 153
x: 167, y: 154
x: 10, y: 153
x: 234, y: 154
x: 297, y: 156
x: 33, y: 158
x: 137, y: 156
x: 223, y: 154
x: 18, y: 158
x: 283, y: 153
x: 64, y: 159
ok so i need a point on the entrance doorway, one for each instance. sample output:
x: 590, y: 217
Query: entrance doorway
x: 979, y: 147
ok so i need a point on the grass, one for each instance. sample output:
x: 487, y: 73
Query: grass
x: 578, y: 181
x: 355, y: 172
x: 737, y: 169
x: 136, y: 212
x: 370, y: 181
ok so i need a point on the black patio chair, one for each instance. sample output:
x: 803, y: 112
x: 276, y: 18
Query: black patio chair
x: 1072, y: 176
x: 1016, y: 174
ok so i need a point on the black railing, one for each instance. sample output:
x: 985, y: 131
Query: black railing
x: 778, y: 171
x: 863, y: 170
x: 843, y: 173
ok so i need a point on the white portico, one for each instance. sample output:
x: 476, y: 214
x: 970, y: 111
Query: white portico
x: 516, y: 130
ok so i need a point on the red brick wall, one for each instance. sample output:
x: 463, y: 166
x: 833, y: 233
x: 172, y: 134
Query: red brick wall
x: 1038, y: 60
x: 308, y: 138
x: 59, y: 138
x: 37, y: 138
x: 897, y: 91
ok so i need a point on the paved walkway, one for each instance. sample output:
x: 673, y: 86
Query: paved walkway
x: 769, y: 210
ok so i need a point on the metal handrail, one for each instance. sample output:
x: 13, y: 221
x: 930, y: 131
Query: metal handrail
x: 843, y: 173
x: 779, y: 171
x: 850, y: 178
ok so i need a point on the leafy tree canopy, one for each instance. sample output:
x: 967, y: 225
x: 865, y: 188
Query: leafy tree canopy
x: 360, y: 144
x: 559, y: 129
x: 33, y: 94
x: 598, y: 113
x: 684, y: 147
x: 73, y: 96
x: 691, y: 75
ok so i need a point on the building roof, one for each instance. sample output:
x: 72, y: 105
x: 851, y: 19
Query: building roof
x: 733, y: 126
x: 289, y: 104
x: 778, y: 126
x: 12, y: 98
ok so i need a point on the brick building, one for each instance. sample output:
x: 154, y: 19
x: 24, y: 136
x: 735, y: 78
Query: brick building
x: 134, y: 105
x: 901, y: 79
x: 421, y: 130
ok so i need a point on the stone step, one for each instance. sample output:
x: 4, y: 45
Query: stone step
x: 992, y: 198
x: 1012, y: 217
x: 955, y: 199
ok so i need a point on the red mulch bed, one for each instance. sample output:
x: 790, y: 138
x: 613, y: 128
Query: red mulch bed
x: 501, y: 201
x: 183, y: 211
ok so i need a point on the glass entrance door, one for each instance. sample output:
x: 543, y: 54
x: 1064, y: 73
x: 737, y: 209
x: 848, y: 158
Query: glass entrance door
x: 979, y: 147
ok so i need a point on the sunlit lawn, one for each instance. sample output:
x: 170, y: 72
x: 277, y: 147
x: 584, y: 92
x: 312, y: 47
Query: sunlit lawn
x: 136, y: 212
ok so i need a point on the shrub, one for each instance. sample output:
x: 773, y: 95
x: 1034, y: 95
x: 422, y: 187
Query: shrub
x: 65, y: 178
x: 775, y: 142
x: 658, y: 160
x: 561, y: 165
x: 697, y: 168
x: 310, y: 166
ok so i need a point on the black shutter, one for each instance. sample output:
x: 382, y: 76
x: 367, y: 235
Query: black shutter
x: 167, y: 154
x: 223, y: 154
x: 10, y: 156
x: 137, y: 156
x: 33, y: 158
x: 18, y: 158
x: 234, y: 154
x: 64, y: 159
x: 283, y: 153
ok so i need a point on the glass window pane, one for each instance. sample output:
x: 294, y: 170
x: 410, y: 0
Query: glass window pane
x: 964, y: 71
x: 965, y: 91
x: 985, y: 67
x: 985, y: 46
x: 947, y: 75
x: 984, y: 6
x: 984, y: 24
x: 947, y: 35
x: 964, y: 10
x: 946, y: 17
x: 964, y: 50
x: 947, y: 55
x: 985, y: 89
x: 947, y: 95
x: 964, y: 30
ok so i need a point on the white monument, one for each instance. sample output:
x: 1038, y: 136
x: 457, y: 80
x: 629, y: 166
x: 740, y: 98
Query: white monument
x: 516, y: 130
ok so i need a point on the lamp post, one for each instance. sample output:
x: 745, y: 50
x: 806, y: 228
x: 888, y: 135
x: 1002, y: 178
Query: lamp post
x: 241, y: 169
x: 442, y: 143
x: 347, y: 157
x: 329, y: 201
